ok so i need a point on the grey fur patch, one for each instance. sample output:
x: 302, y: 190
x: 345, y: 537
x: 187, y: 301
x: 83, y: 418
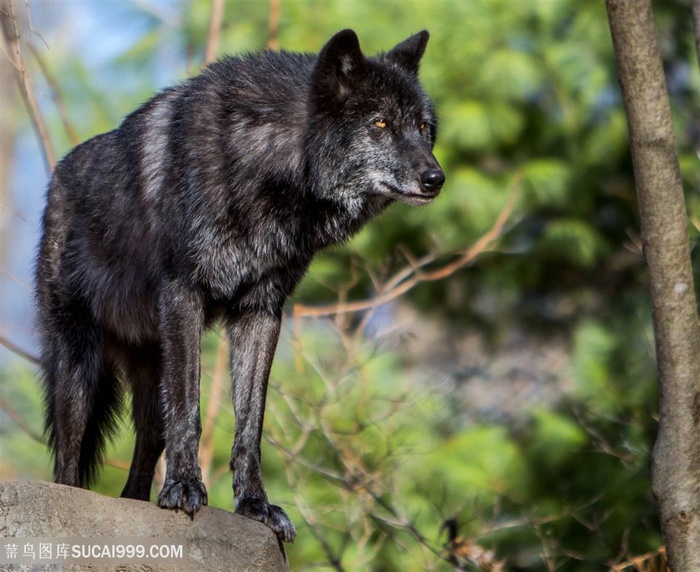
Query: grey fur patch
x: 154, y: 144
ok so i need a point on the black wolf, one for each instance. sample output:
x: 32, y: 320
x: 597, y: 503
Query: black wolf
x: 208, y: 203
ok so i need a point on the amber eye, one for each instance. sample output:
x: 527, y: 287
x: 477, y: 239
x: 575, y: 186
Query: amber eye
x: 380, y: 123
x: 423, y: 125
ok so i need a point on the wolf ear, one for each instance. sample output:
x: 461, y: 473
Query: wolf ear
x: 339, y: 62
x: 408, y: 53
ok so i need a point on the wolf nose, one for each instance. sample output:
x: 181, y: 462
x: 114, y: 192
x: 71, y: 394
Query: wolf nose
x: 432, y: 180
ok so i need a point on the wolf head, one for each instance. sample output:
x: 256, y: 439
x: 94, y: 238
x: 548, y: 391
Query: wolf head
x: 373, y: 126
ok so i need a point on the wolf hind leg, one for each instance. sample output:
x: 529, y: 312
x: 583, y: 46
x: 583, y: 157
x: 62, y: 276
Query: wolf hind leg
x: 143, y: 373
x: 82, y: 400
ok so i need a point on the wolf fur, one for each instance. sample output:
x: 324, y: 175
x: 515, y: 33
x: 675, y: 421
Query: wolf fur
x: 208, y: 203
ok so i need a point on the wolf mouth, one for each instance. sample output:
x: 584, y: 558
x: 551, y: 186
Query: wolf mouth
x: 407, y: 197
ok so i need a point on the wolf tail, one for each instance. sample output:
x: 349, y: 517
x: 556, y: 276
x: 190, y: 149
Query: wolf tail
x: 81, y: 416
x: 82, y: 396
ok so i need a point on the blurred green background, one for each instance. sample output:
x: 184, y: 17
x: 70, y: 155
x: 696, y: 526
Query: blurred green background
x: 516, y: 396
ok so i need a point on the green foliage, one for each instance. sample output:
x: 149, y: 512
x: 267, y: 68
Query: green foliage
x: 547, y: 182
x: 571, y: 241
x: 481, y: 463
x: 555, y: 437
x: 366, y: 456
x: 593, y: 346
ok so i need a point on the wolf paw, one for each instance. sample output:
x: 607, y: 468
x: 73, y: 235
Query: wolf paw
x: 188, y: 495
x: 272, y: 516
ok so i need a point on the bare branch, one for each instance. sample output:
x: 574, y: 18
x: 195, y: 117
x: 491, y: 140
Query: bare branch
x: 73, y: 138
x: 217, y: 17
x: 16, y: 280
x: 24, y: 426
x: 408, y: 278
x: 273, y: 25
x: 696, y: 26
x: 206, y: 448
x: 651, y: 561
x: 21, y: 423
x: 17, y: 350
x: 315, y: 529
x: 32, y: 31
x: 14, y: 48
x: 15, y: 213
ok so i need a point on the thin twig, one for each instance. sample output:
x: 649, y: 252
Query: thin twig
x: 32, y: 31
x: 652, y: 561
x: 333, y: 560
x: 17, y: 350
x: 21, y: 423
x: 15, y: 213
x: 214, y: 35
x: 206, y: 449
x: 16, y: 280
x: 696, y: 26
x: 73, y: 138
x: 273, y: 25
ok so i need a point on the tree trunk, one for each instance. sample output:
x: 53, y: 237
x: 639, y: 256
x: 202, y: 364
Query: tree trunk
x: 676, y: 455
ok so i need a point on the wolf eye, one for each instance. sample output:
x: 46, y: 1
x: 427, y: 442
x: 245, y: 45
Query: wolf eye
x: 423, y: 126
x: 381, y: 123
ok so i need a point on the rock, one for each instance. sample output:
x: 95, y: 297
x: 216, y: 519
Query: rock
x: 74, y: 522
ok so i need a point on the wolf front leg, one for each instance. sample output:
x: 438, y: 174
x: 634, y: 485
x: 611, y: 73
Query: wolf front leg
x: 253, y: 336
x: 181, y: 322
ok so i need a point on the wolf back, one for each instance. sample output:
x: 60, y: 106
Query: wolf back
x: 208, y: 203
